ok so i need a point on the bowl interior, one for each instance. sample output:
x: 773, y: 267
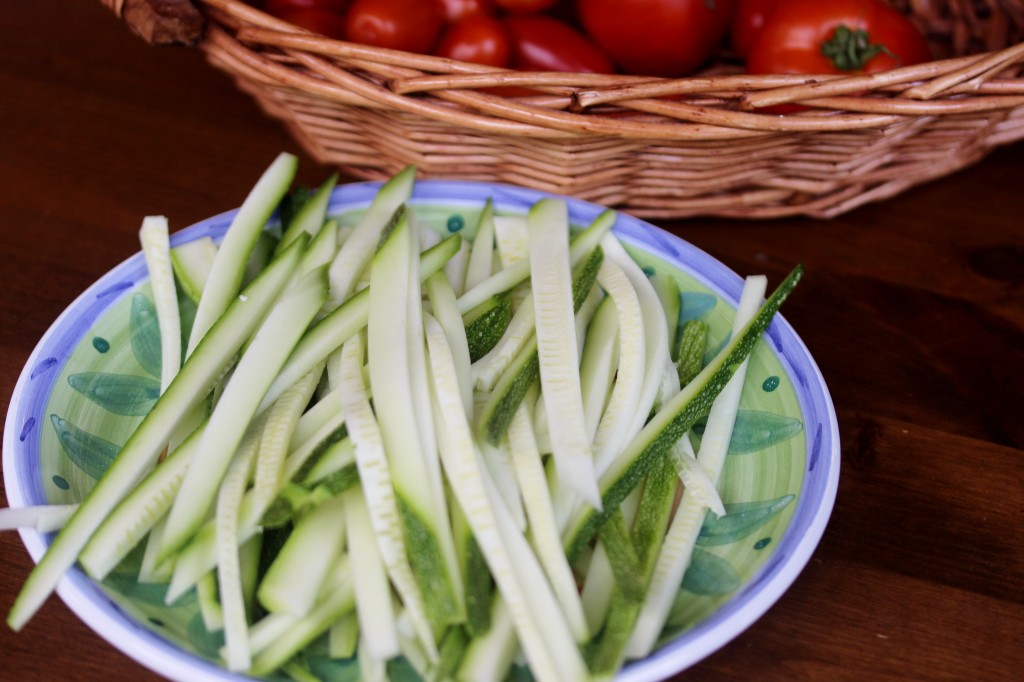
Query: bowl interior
x: 96, y: 373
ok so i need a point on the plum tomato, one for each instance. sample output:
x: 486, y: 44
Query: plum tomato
x: 479, y: 39
x: 525, y: 6
x: 543, y: 43
x: 456, y: 10
x: 836, y: 37
x: 410, y: 25
x: 667, y: 38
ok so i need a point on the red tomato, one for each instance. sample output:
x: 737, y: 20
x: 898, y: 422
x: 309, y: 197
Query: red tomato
x: 525, y: 6
x: 835, y: 37
x: 330, y: 24
x: 454, y: 10
x: 479, y: 39
x: 747, y: 22
x: 542, y: 43
x: 657, y: 37
x: 410, y: 25
x: 276, y: 6
x: 326, y: 17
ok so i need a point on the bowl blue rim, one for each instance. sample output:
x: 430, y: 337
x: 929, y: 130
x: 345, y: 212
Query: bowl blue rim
x: 24, y: 484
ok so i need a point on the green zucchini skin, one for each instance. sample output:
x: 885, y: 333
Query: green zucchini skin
x: 486, y: 323
x: 673, y: 421
x: 693, y: 339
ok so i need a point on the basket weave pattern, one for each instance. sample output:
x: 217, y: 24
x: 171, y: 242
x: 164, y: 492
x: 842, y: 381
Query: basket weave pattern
x: 658, y: 148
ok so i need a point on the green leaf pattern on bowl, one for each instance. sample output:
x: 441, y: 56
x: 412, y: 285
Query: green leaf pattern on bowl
x: 145, y: 334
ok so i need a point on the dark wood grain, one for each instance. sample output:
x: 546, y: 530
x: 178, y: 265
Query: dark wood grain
x: 913, y: 309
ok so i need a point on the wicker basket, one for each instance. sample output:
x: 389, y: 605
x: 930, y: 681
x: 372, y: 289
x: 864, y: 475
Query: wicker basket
x: 657, y: 148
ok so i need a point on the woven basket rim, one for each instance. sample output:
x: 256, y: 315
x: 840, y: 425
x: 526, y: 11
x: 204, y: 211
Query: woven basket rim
x: 708, y: 143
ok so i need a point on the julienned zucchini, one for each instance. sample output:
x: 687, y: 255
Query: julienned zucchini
x: 327, y: 335
x: 269, y: 348
x: 228, y: 268
x: 486, y: 323
x: 516, y: 381
x: 672, y: 422
x: 140, y: 452
x: 456, y: 585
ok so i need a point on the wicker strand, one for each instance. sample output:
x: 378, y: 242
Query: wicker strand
x: 710, y: 144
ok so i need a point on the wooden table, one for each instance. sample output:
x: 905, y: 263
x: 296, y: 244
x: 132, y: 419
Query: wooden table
x: 913, y: 309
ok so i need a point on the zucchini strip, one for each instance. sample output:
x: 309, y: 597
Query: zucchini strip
x: 511, y: 238
x: 281, y: 422
x: 294, y: 579
x: 397, y: 365
x: 156, y: 249
x: 543, y: 526
x: 229, y: 265
x: 229, y: 569
x: 199, y: 556
x: 343, y: 635
x: 479, y: 584
x: 45, y: 518
x: 330, y: 607
x: 374, y: 607
x: 481, y: 257
x: 143, y: 447
x: 138, y: 513
x: 489, y: 369
x: 255, y: 371
x: 693, y: 339
x: 539, y: 621
x: 321, y: 249
x: 446, y: 310
x: 377, y: 487
x: 551, y: 279
x: 310, y: 218
x: 357, y: 250
x: 652, y: 517
x: 192, y: 262
x: 582, y: 246
x: 489, y: 655
x: 209, y: 603
x: 500, y: 404
x: 598, y: 363
x: 327, y: 335
x: 682, y: 535
x: 614, y: 429
x: 151, y: 571
x: 667, y: 288
x: 695, y: 477
x: 673, y: 421
x: 655, y: 331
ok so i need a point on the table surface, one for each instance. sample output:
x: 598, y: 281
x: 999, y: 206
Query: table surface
x: 913, y: 309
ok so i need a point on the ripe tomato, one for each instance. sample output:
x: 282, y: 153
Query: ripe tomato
x: 656, y: 37
x: 330, y: 24
x: 410, y: 25
x: 542, y: 43
x: 525, y: 6
x: 326, y: 17
x: 454, y: 10
x: 747, y: 22
x: 275, y: 7
x: 479, y: 39
x: 836, y: 37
